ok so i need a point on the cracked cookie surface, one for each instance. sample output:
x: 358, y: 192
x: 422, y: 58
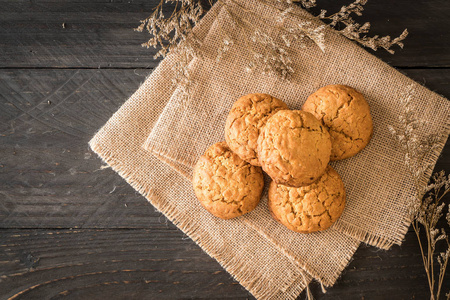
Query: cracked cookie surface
x: 346, y: 115
x: 311, y: 208
x: 226, y: 185
x: 247, y: 116
x: 294, y: 148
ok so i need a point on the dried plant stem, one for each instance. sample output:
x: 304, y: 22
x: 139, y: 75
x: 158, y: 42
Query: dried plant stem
x: 428, y: 202
x: 424, y: 260
x: 442, y: 275
x: 174, y: 33
x: 428, y: 257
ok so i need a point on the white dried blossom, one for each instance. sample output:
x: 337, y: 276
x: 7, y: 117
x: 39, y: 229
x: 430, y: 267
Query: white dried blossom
x: 448, y: 212
x: 426, y: 207
x: 306, y: 3
x: 227, y: 44
x: 317, y: 34
x: 281, y: 17
x: 356, y: 31
x: 175, y: 31
x: 273, y: 59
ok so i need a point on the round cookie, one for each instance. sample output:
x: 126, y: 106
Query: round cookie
x: 310, y: 208
x: 294, y: 148
x: 247, y: 116
x: 346, y: 115
x: 226, y: 185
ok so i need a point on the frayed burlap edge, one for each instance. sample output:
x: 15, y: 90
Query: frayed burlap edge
x: 382, y: 242
x: 346, y: 228
x: 228, y: 262
x: 357, y: 233
x: 183, y: 171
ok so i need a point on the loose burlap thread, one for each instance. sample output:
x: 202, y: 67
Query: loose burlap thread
x: 267, y: 259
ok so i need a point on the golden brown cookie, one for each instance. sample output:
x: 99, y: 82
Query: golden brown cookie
x: 346, y: 114
x: 310, y: 208
x: 226, y: 185
x: 247, y: 116
x: 294, y: 148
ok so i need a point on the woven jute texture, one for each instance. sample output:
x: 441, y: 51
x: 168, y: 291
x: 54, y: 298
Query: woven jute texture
x: 155, y: 138
x: 251, y: 259
x: 248, y: 256
x: 377, y: 183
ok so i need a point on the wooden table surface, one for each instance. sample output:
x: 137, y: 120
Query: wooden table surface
x: 70, y: 228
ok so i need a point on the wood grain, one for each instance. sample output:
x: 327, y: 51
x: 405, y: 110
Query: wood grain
x: 102, y: 264
x: 70, y: 228
x: 165, y: 264
x: 99, y: 34
x: 49, y: 178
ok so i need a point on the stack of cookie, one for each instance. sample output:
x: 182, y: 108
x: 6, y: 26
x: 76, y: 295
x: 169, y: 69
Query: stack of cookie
x: 294, y: 148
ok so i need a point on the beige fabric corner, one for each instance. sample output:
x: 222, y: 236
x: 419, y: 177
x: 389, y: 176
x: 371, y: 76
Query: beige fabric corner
x: 377, y: 183
x: 249, y: 257
x: 261, y: 268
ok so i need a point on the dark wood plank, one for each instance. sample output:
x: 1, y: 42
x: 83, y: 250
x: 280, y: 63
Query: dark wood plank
x: 74, y: 34
x: 49, y: 179
x: 48, y: 176
x: 100, y: 34
x: 163, y: 264
x: 378, y: 274
x: 428, y: 43
x: 108, y: 264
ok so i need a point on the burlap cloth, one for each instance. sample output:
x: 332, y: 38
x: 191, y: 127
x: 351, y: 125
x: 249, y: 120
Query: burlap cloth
x: 156, y: 137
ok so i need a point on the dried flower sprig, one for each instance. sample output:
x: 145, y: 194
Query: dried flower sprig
x: 357, y: 32
x: 271, y: 56
x: 170, y: 32
x: 304, y: 3
x: 174, y: 34
x: 175, y: 31
x: 426, y: 207
x: 415, y: 149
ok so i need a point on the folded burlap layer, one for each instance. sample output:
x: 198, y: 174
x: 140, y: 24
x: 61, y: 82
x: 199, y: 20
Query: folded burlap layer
x: 266, y: 258
x: 249, y: 257
x: 377, y: 183
x: 260, y: 263
x: 323, y: 255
